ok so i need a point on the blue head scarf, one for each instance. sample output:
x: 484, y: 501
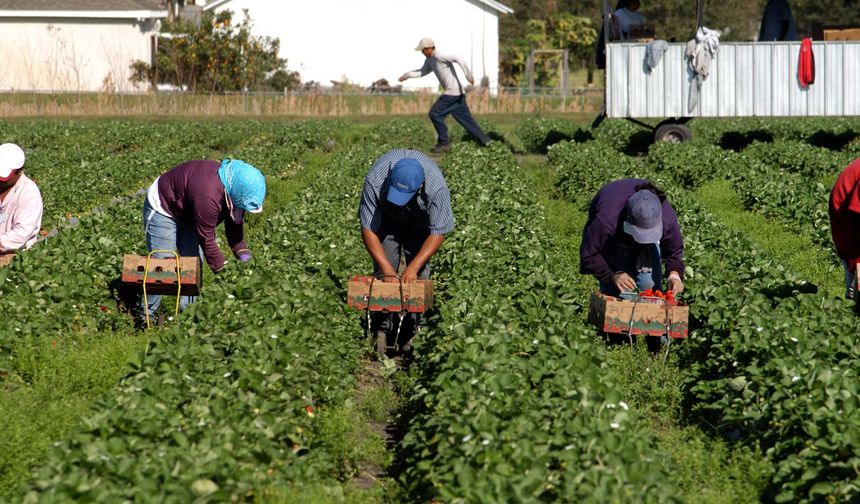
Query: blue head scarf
x: 245, y: 185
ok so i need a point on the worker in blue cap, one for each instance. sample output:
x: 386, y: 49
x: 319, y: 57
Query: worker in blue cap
x: 630, y: 232
x: 405, y: 209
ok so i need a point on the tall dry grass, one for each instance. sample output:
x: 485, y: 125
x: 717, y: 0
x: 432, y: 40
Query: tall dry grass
x: 304, y: 105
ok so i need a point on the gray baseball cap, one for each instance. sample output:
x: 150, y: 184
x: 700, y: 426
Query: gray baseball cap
x: 644, y: 217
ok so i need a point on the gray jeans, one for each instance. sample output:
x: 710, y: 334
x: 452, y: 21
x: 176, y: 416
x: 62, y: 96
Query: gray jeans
x: 397, y: 240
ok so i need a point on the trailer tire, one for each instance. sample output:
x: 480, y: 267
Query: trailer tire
x: 673, y: 133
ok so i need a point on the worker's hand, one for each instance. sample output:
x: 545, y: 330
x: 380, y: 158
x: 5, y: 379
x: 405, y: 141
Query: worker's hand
x: 409, y: 276
x: 388, y: 274
x: 624, y: 282
x: 471, y: 81
x: 244, y: 256
x: 675, y: 284
x: 402, y: 78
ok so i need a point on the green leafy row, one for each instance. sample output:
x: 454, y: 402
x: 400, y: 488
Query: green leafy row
x: 515, y: 402
x: 220, y: 405
x: 767, y: 361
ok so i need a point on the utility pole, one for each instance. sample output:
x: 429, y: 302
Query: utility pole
x: 171, y: 11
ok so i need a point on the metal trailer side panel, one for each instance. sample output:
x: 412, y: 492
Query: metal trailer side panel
x: 617, y: 80
x: 675, y: 81
x: 744, y: 81
x: 816, y: 93
x: 833, y: 84
x: 798, y: 97
x: 657, y: 98
x: 762, y: 74
x: 709, y: 94
x: 851, y: 80
x: 638, y: 83
x: 726, y: 84
x: 781, y: 75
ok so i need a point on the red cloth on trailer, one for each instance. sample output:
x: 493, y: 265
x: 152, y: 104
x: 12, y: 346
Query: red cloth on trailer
x: 844, y: 211
x: 806, y: 63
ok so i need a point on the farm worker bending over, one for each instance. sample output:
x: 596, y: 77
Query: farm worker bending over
x: 844, y: 210
x: 405, y: 207
x: 453, y: 99
x: 185, y: 205
x: 20, y: 203
x: 631, y: 230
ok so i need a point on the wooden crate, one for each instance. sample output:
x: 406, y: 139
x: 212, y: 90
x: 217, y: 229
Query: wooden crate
x: 162, y: 277
x: 612, y: 315
x: 417, y: 297
x: 841, y: 33
x: 6, y: 259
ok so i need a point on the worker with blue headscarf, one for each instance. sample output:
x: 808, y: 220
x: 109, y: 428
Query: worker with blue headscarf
x: 185, y: 205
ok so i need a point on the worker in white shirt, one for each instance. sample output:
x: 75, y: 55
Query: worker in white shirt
x: 20, y: 204
x: 453, y: 99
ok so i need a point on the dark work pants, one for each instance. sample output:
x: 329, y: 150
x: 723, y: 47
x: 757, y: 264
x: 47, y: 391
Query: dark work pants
x: 397, y: 239
x: 456, y: 106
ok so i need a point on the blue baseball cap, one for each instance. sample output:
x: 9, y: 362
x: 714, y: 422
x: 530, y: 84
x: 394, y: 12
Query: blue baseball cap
x: 644, y: 217
x: 405, y: 179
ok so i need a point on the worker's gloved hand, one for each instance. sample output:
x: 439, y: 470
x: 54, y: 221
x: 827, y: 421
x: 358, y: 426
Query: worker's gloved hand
x: 623, y: 282
x: 675, y: 284
x: 244, y: 256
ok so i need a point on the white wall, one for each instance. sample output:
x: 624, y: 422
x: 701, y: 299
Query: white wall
x: 363, y: 41
x: 70, y: 55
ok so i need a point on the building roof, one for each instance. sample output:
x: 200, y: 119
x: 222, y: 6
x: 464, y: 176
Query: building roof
x: 83, y: 8
x: 499, y: 6
x: 502, y: 8
x: 84, y: 5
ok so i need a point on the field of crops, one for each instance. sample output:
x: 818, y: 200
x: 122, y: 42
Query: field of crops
x: 265, y: 389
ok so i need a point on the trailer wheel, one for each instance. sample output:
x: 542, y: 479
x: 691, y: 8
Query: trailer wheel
x: 673, y: 133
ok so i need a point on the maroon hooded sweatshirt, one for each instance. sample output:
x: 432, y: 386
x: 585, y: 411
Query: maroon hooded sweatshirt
x: 192, y: 193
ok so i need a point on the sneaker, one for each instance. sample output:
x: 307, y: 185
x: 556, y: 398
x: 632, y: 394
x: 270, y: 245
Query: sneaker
x: 439, y: 148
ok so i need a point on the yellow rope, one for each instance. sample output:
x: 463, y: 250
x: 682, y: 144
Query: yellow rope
x: 178, y: 282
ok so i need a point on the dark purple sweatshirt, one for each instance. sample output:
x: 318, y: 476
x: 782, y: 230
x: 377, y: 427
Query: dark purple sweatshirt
x: 193, y: 194
x: 606, y: 217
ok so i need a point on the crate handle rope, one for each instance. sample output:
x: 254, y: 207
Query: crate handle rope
x: 178, y: 281
x: 665, y: 321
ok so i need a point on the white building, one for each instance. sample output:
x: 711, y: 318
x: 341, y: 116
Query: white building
x: 75, y: 45
x: 361, y: 41
x: 89, y: 45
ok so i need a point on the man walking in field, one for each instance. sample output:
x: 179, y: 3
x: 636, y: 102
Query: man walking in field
x: 453, y: 99
x: 405, y: 208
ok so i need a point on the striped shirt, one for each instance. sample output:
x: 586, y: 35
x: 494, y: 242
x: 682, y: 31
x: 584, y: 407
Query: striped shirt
x: 436, y: 201
x: 443, y: 66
